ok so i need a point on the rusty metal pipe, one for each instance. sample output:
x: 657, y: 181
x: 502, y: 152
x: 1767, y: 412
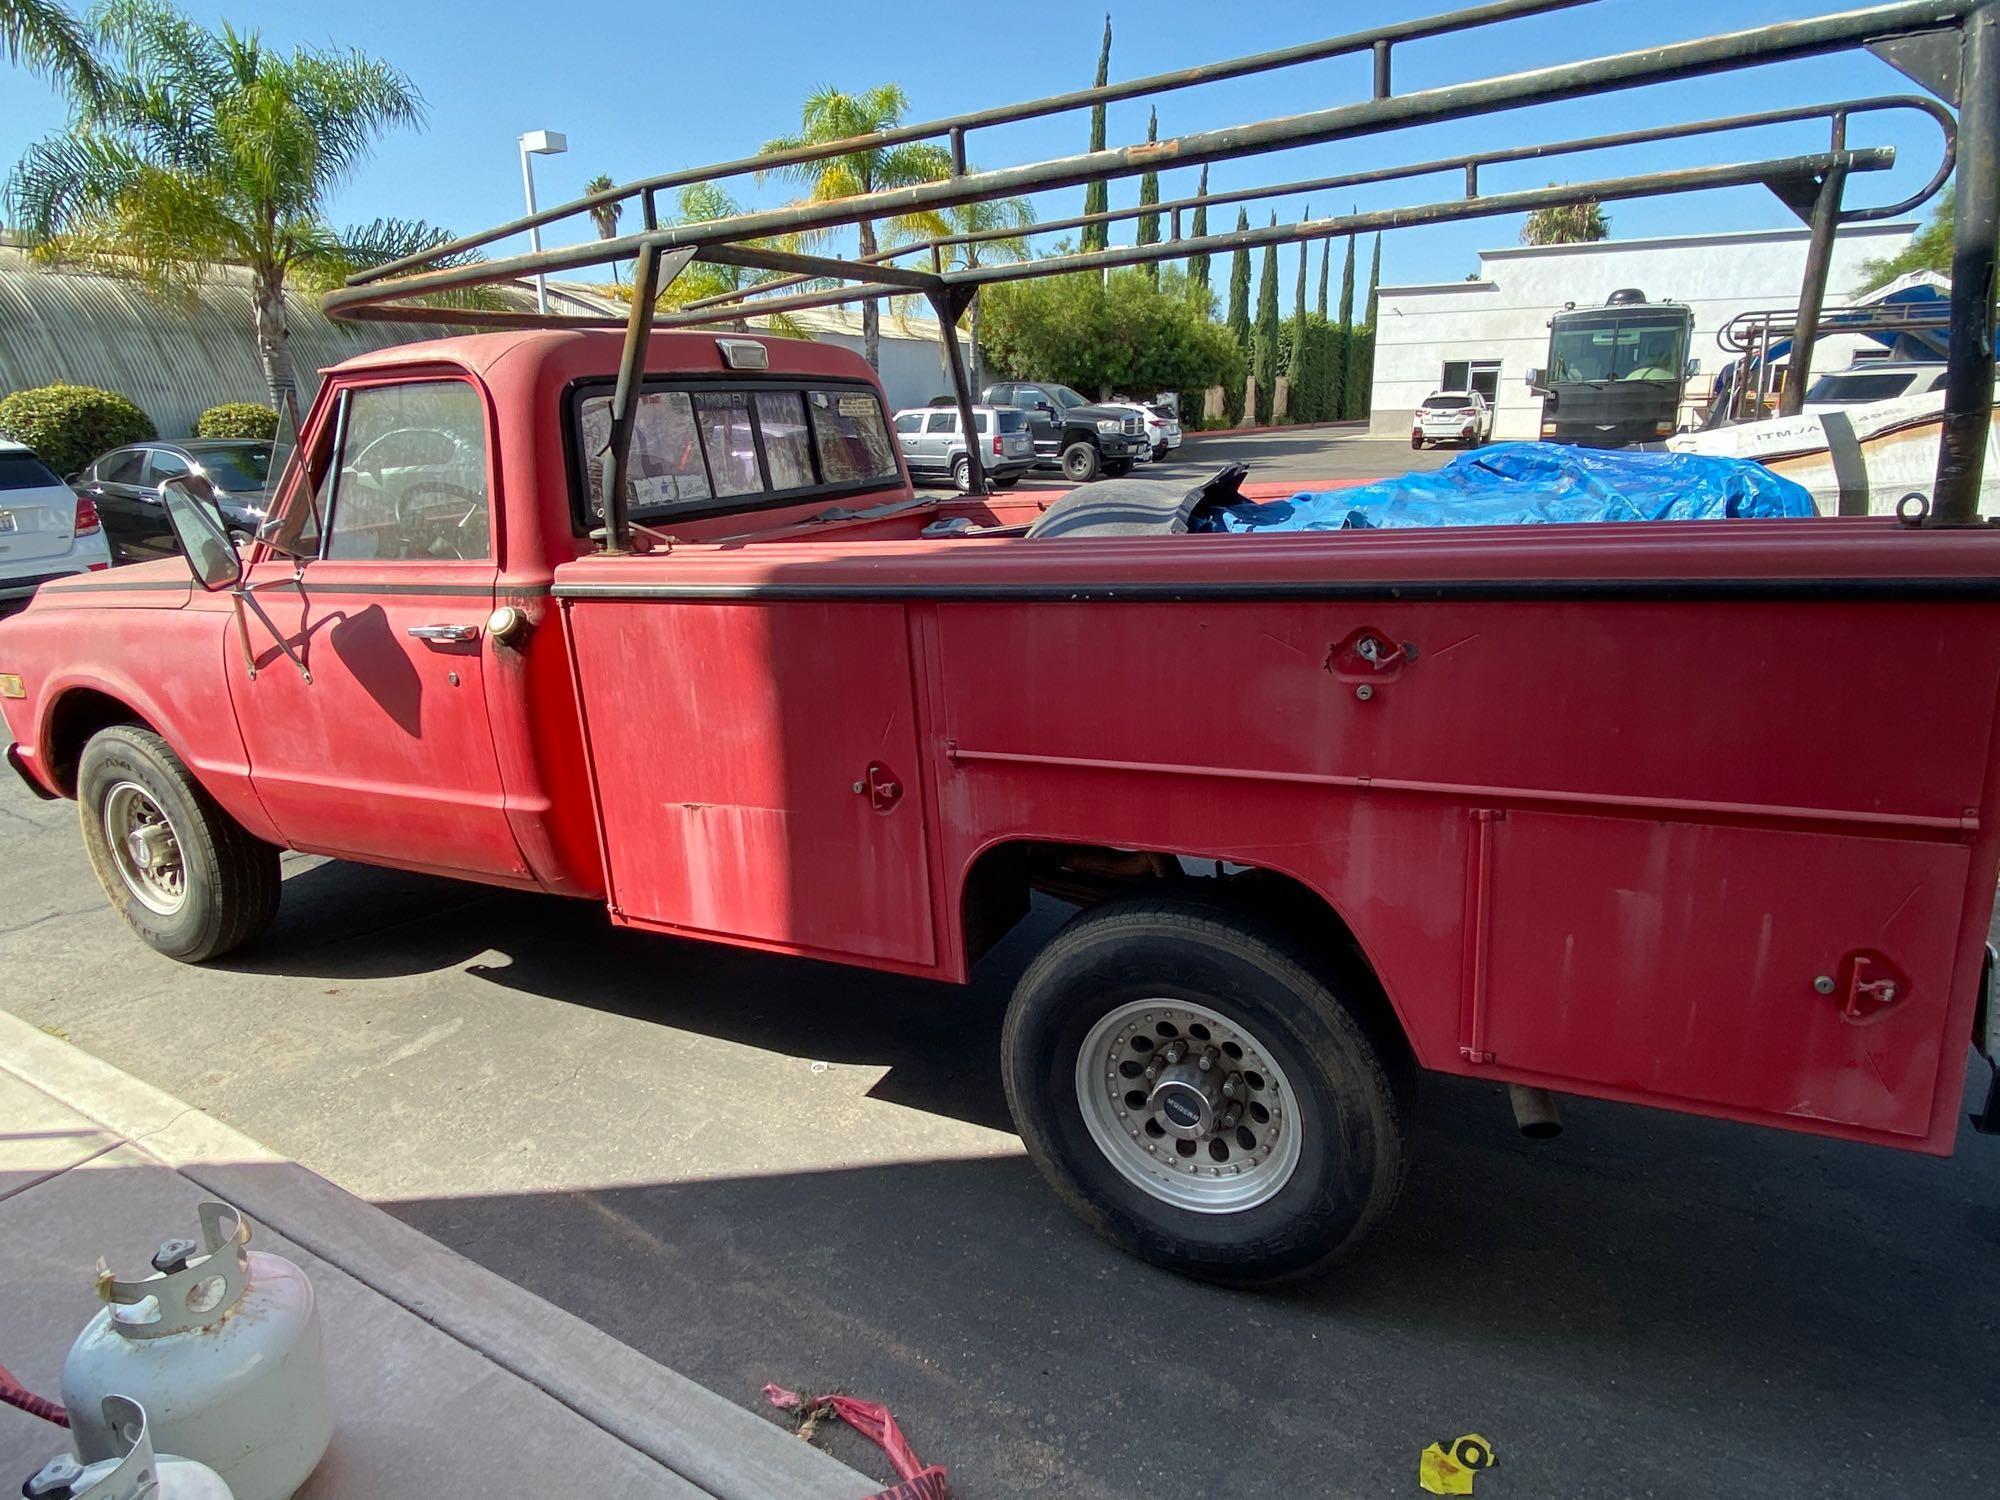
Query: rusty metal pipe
x: 1536, y: 1114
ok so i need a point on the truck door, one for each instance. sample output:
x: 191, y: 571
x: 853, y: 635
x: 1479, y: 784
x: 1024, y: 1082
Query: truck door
x: 385, y: 753
x: 755, y: 767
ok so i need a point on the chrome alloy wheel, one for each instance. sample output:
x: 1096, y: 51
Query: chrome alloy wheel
x: 1188, y: 1106
x: 145, y: 848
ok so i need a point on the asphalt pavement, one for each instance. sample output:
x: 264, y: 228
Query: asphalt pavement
x: 756, y: 1169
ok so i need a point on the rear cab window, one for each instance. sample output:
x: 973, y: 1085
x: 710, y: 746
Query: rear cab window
x: 700, y: 448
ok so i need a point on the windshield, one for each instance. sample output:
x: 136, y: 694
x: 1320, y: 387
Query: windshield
x: 1875, y: 385
x: 1642, y: 347
x: 239, y: 469
x: 1065, y: 397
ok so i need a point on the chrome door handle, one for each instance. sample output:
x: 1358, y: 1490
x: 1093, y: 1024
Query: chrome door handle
x: 445, y: 632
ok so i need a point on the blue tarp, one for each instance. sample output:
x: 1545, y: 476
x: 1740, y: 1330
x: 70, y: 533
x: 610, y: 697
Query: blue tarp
x: 1523, y: 484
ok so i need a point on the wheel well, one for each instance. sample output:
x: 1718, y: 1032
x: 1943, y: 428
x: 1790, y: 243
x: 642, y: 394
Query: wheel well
x: 997, y: 888
x: 77, y: 715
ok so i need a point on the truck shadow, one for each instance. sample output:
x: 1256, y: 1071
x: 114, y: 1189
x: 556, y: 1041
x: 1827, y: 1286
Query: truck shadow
x: 1588, y: 1304
x: 939, y: 1042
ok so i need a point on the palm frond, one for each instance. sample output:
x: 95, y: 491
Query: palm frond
x: 46, y: 39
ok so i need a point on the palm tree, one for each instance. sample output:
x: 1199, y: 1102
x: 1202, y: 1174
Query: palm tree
x: 605, y: 215
x: 1577, y: 223
x: 697, y: 203
x: 207, y: 147
x: 42, y: 37
x: 829, y: 114
x: 972, y: 218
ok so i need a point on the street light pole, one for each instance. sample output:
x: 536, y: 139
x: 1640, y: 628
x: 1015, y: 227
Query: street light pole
x: 538, y: 143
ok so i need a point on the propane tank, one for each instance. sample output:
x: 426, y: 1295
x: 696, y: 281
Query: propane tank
x: 221, y: 1346
x: 136, y: 1474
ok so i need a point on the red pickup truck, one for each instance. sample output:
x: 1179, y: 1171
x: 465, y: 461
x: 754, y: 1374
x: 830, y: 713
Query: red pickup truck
x: 1697, y: 815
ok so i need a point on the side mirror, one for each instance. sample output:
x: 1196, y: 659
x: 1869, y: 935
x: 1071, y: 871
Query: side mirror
x: 1691, y: 369
x: 1535, y: 378
x: 1044, y: 406
x: 197, y: 525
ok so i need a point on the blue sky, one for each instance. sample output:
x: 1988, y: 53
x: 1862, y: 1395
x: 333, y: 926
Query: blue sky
x: 650, y: 88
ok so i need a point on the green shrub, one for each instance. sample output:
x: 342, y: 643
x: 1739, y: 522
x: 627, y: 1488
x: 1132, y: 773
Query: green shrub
x: 237, y: 419
x: 69, y: 425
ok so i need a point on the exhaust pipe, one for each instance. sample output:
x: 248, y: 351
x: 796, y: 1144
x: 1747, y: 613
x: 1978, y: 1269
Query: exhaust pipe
x: 1535, y: 1112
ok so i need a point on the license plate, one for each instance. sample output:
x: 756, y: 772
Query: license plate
x: 7, y: 520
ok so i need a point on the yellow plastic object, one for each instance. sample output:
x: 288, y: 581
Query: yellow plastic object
x: 1449, y: 1471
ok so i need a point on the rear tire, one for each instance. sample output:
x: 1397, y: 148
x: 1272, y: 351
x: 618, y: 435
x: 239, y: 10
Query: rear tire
x: 1416, y: 440
x: 1116, y: 986
x: 961, y: 474
x: 1082, y: 463
x: 182, y: 873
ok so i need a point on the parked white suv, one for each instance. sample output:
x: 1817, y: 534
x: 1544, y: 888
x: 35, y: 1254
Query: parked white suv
x: 1452, y: 417
x: 1163, y: 429
x: 47, y: 530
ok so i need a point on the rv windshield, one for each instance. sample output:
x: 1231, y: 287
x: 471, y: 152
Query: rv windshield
x: 1609, y: 348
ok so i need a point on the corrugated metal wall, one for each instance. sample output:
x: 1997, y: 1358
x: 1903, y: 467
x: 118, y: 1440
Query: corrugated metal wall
x: 173, y: 361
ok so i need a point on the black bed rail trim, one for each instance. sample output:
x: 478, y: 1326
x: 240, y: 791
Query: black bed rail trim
x: 1529, y: 590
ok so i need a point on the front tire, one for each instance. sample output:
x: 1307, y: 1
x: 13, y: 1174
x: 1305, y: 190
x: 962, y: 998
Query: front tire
x: 961, y: 474
x: 1153, y: 1161
x: 182, y: 873
x: 1082, y: 463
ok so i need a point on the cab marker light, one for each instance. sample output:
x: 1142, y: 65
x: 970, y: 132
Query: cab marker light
x: 11, y: 685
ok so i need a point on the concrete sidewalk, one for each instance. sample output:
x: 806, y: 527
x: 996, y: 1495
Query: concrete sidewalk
x: 448, y: 1379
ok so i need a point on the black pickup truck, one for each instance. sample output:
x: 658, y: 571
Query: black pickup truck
x: 1082, y: 439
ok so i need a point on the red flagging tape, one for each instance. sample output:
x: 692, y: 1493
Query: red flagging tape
x: 13, y: 1394
x: 920, y: 1481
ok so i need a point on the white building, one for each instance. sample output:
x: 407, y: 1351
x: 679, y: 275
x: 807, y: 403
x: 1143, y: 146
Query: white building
x: 1488, y: 331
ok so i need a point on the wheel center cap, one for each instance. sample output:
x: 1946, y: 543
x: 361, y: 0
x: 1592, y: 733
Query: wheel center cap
x: 151, y: 847
x: 1184, y: 1100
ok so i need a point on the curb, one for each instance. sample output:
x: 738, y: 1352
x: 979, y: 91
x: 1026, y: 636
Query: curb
x: 688, y: 1429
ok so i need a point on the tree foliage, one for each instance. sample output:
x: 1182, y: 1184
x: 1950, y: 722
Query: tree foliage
x: 69, y: 425
x: 1930, y: 249
x: 237, y: 419
x: 1197, y: 265
x: 831, y: 114
x: 1149, y: 192
x: 44, y: 38
x: 1264, y: 353
x: 203, y: 147
x: 1578, y: 223
x: 1347, y: 287
x: 1096, y: 195
x: 1103, y: 335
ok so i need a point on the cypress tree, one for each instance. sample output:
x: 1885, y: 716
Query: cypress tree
x: 1347, y: 287
x: 1325, y: 253
x: 1264, y: 353
x: 1297, y: 374
x: 1197, y: 266
x: 1149, y: 192
x: 1239, y: 287
x: 1374, y: 279
x: 1096, y: 197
